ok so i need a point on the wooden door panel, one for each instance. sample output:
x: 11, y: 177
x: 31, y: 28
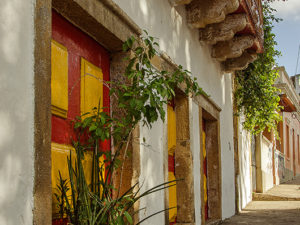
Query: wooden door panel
x: 74, y: 55
x: 171, y: 162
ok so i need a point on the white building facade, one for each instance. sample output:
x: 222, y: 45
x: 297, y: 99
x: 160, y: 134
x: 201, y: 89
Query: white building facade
x: 210, y: 40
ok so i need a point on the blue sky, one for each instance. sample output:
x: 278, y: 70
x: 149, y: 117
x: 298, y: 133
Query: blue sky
x: 288, y: 34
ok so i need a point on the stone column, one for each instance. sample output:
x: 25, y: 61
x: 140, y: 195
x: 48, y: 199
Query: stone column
x: 184, y: 164
x: 259, y: 175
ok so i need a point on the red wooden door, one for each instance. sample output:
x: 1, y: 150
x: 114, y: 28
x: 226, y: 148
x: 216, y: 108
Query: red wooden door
x: 74, y: 55
x: 205, y: 189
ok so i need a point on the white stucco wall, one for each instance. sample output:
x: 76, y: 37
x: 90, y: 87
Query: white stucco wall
x: 152, y: 171
x: 16, y: 111
x: 245, y: 186
x: 227, y: 148
x: 182, y: 44
x: 276, y: 162
x: 266, y: 164
x: 195, y: 148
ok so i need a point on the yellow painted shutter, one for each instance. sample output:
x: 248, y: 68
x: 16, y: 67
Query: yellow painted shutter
x: 59, y: 154
x: 59, y: 79
x: 171, y: 150
x: 204, y: 176
x: 172, y: 198
x: 91, y: 86
x: 171, y: 130
x: 91, y: 92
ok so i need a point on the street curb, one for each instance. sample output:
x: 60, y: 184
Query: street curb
x: 268, y: 197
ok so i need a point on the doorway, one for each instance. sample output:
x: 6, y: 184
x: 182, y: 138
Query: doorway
x: 211, y: 169
x: 79, y: 65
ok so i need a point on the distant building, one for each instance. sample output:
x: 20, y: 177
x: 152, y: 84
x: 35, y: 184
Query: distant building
x: 263, y: 161
x: 296, y: 81
x: 289, y: 128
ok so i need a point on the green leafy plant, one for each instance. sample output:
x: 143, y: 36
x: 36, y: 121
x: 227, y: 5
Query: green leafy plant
x: 255, y: 96
x: 141, y: 99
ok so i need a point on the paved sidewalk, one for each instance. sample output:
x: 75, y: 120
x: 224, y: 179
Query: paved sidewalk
x: 272, y: 211
x: 289, y: 191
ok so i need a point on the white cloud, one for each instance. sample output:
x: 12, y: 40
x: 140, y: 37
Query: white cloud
x: 288, y: 10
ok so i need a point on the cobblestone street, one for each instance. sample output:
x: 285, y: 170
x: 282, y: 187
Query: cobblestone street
x: 280, y: 205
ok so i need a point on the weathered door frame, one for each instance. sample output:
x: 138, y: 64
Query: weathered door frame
x: 209, y: 111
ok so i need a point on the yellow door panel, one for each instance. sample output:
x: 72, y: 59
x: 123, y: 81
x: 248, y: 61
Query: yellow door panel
x: 204, y: 141
x: 59, y: 154
x: 172, y: 199
x: 205, y: 188
x: 204, y: 175
x: 171, y: 130
x: 91, y: 86
x: 59, y: 79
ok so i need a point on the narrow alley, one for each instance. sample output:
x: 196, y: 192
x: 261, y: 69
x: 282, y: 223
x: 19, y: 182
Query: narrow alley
x: 280, y: 205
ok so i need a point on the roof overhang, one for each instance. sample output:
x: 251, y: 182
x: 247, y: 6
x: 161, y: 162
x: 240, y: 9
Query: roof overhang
x: 287, y: 104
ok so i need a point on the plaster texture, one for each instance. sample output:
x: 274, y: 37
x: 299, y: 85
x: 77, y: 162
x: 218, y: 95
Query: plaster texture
x: 195, y: 148
x: 152, y: 171
x: 292, y: 160
x: 227, y: 149
x: 266, y: 164
x: 16, y: 111
x: 182, y: 45
x: 245, y: 190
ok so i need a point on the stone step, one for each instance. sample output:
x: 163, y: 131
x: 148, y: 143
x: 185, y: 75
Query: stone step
x: 269, y: 197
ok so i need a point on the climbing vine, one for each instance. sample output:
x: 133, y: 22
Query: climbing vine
x: 255, y: 95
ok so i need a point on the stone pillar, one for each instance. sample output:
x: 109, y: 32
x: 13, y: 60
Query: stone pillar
x: 131, y: 168
x: 184, y: 164
x: 259, y: 174
x: 42, y: 196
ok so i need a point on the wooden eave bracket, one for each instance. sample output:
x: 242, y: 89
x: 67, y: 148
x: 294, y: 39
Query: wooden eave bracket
x: 287, y: 104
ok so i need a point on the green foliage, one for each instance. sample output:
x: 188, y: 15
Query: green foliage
x: 61, y: 188
x: 256, y: 97
x: 93, y: 204
x: 142, y: 98
x: 150, y: 88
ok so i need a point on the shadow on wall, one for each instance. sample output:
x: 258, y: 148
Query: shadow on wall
x: 152, y: 172
x: 245, y: 173
x: 182, y: 44
x: 16, y: 112
x: 179, y: 41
